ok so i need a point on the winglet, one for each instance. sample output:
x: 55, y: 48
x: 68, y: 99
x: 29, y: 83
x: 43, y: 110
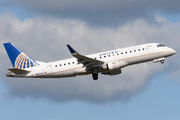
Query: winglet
x: 71, y: 50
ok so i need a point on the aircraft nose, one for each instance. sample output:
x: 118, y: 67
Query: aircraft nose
x: 173, y: 52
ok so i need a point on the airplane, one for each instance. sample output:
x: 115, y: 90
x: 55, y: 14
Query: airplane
x: 107, y: 63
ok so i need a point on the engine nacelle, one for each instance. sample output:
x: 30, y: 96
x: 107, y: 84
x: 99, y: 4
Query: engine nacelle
x: 114, y: 65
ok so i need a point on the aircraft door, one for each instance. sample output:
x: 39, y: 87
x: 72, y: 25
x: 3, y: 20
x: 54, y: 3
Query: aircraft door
x: 49, y: 69
x: 150, y: 49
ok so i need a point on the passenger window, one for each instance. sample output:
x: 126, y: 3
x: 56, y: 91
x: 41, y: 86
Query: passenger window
x: 122, y: 53
x: 126, y: 52
x: 64, y: 64
x: 55, y: 65
x: 95, y: 58
x: 134, y: 50
x: 60, y: 65
x: 104, y: 56
x: 69, y: 63
x: 73, y: 62
x: 143, y: 49
x: 130, y: 51
x: 138, y: 49
x: 100, y: 57
x: 117, y: 53
x: 108, y: 55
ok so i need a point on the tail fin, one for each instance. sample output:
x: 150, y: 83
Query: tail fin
x: 18, y: 58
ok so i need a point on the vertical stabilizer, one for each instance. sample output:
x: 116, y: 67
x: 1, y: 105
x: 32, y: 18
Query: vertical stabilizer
x: 18, y: 58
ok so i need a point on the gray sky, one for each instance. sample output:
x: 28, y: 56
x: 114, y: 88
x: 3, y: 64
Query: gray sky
x: 42, y: 28
x: 101, y: 12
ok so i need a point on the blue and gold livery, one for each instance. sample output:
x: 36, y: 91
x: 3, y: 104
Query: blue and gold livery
x: 18, y: 58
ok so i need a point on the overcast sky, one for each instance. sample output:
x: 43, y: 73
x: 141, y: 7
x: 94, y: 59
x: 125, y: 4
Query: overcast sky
x: 101, y: 12
x: 43, y: 28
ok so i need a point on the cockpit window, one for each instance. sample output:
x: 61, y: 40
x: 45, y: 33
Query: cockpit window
x: 160, y: 45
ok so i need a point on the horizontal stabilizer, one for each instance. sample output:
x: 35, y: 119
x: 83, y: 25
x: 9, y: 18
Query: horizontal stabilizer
x: 18, y: 71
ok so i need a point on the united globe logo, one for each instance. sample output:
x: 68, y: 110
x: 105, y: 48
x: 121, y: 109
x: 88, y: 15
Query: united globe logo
x: 23, y: 62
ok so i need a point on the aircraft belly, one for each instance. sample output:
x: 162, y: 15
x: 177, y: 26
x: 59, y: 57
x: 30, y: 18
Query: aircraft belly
x: 146, y: 58
x: 56, y: 75
x: 80, y: 71
x: 64, y: 73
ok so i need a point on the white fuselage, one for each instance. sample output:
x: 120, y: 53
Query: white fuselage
x: 124, y: 57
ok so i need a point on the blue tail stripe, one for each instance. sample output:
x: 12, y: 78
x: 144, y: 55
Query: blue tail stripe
x: 21, y: 65
x: 24, y: 64
x: 32, y: 65
x: 27, y: 63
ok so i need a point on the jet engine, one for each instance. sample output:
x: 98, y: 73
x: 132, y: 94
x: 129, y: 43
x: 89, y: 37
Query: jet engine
x: 113, y: 68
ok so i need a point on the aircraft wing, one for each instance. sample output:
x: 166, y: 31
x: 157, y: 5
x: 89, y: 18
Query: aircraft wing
x: 86, y: 61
